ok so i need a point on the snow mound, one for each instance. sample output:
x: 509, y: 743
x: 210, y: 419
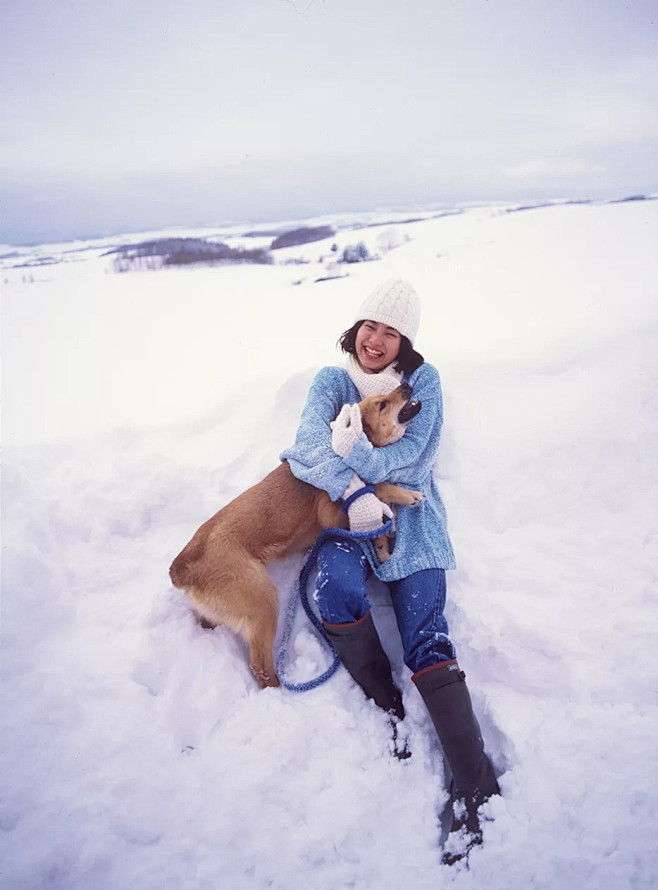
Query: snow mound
x: 137, y: 750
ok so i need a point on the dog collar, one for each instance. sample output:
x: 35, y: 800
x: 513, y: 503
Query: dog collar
x: 367, y: 489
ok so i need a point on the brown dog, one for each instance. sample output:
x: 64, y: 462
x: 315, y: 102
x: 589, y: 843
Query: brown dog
x: 222, y: 569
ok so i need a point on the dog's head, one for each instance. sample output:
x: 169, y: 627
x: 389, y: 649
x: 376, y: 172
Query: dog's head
x: 385, y: 418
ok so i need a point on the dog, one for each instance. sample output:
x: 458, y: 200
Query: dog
x: 223, y: 568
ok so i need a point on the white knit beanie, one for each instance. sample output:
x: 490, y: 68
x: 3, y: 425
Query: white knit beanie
x: 394, y: 303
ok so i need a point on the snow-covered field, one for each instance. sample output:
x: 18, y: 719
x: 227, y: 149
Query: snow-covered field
x: 137, y: 751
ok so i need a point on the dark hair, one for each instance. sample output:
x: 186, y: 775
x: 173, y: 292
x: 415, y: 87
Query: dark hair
x: 408, y: 359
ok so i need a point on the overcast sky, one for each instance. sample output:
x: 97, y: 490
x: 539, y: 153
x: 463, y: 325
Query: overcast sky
x: 129, y: 114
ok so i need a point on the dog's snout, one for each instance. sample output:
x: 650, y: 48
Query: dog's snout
x: 406, y: 390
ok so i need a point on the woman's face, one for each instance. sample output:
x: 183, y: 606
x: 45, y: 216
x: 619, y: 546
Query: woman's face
x: 377, y: 345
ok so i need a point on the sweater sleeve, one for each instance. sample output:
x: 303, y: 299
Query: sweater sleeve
x: 311, y: 458
x: 416, y: 450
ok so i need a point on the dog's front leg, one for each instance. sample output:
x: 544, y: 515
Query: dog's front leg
x: 395, y: 494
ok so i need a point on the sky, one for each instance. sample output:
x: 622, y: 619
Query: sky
x: 119, y: 116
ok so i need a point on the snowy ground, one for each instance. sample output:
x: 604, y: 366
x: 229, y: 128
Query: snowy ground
x: 136, y: 749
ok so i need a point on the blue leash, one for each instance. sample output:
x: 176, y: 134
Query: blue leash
x: 301, y: 592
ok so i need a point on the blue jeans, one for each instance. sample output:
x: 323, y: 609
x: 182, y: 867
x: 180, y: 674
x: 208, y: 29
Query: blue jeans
x: 418, y: 602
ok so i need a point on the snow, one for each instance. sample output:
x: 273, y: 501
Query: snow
x: 137, y: 750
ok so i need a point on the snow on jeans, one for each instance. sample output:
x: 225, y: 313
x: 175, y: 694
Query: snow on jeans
x: 418, y: 601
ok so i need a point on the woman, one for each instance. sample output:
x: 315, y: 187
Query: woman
x: 331, y: 452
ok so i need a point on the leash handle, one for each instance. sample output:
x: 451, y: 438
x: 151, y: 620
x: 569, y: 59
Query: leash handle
x: 301, y: 588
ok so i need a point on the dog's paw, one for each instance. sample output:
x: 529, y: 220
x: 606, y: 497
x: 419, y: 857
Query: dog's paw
x: 415, y: 497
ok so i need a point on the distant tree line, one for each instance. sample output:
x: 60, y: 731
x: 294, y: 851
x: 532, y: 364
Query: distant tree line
x: 182, y: 252
x: 305, y: 235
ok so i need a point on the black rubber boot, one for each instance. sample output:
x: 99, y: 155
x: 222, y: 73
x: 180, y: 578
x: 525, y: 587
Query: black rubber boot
x: 360, y: 650
x: 446, y: 696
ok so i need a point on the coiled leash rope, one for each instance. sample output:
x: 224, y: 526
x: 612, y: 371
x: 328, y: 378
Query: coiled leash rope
x: 301, y: 593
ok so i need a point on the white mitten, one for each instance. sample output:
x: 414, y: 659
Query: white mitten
x: 346, y: 429
x: 367, y: 512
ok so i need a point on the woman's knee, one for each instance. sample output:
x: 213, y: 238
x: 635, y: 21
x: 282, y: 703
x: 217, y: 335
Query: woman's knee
x: 342, y: 573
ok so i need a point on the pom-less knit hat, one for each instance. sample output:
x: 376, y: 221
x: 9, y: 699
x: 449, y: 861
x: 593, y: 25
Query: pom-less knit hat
x: 396, y: 304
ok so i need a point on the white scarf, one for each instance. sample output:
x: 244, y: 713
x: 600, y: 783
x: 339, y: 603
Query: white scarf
x: 379, y: 384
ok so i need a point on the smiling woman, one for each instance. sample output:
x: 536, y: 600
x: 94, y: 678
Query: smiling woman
x: 333, y: 453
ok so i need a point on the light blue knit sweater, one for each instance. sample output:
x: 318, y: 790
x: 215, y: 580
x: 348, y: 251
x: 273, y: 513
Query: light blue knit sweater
x: 422, y: 540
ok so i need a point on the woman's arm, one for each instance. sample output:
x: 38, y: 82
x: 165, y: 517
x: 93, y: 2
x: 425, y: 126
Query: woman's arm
x: 311, y: 458
x: 416, y: 450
